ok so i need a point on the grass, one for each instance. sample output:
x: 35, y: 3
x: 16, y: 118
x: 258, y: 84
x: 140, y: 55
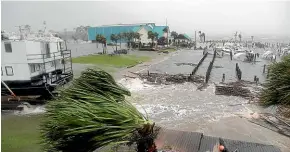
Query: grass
x: 115, y: 61
x: 21, y: 133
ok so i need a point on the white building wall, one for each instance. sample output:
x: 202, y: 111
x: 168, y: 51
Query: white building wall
x: 16, y: 59
x: 144, y: 35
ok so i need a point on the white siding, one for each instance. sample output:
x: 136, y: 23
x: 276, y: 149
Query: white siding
x: 33, y: 47
x: 16, y: 59
x: 144, y: 35
x: 20, y: 72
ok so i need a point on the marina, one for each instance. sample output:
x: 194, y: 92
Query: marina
x: 146, y: 77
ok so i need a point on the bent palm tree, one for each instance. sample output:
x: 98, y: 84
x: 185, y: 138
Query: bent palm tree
x: 93, y: 113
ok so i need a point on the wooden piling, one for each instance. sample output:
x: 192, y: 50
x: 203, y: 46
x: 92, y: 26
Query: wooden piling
x: 199, y: 63
x: 231, y: 54
x: 264, y: 69
x: 255, y: 78
x: 224, y: 77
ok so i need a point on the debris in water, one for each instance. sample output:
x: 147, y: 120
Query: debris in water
x: 159, y: 78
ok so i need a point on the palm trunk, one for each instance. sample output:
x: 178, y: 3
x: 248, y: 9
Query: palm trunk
x: 116, y: 46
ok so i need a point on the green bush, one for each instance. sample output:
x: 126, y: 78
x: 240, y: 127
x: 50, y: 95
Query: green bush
x: 277, y: 87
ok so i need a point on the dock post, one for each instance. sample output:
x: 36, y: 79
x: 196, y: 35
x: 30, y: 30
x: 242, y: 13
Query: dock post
x: 148, y: 72
x: 255, y: 78
x: 264, y: 68
x: 224, y: 77
x: 231, y: 54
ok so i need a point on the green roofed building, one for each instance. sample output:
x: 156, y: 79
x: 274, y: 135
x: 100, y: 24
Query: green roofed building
x: 141, y: 28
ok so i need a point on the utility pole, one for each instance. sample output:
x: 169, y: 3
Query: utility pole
x: 167, y: 33
x: 65, y: 38
x: 195, y: 37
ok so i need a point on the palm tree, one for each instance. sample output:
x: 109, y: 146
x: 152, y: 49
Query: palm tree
x: 114, y: 38
x: 120, y: 37
x: 152, y: 36
x: 93, y: 113
x: 101, y: 39
x: 137, y: 36
x: 174, y: 35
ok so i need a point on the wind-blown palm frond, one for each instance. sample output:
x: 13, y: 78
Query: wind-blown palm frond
x: 91, y: 113
x: 277, y: 87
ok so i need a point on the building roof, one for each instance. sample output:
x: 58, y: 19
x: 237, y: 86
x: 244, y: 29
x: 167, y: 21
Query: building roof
x: 187, y: 37
x: 159, y: 30
x: 107, y: 31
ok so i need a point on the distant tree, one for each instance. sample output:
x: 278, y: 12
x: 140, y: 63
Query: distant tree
x: 240, y: 37
x: 174, y: 35
x: 161, y: 41
x: 137, y: 36
x: 114, y: 38
x: 181, y: 36
x: 203, y: 35
x: 28, y: 28
x: 236, y: 34
x: 74, y: 38
x: 200, y: 36
x: 101, y: 39
x: 120, y: 37
x: 152, y: 36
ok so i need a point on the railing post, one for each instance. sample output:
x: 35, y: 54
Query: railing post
x: 70, y: 62
x: 63, y: 62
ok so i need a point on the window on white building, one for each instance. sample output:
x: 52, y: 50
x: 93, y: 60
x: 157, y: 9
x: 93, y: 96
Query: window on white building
x: 8, y: 47
x: 9, y: 70
x: 37, y: 67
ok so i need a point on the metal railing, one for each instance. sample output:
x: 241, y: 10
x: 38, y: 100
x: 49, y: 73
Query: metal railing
x: 65, y: 65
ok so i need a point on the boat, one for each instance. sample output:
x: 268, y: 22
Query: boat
x: 34, y: 66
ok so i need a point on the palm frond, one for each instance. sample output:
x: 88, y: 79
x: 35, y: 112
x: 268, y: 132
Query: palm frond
x: 91, y: 113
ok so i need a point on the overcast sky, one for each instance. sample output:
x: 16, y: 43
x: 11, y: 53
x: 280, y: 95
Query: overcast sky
x: 212, y: 17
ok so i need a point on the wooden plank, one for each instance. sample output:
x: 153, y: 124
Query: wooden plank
x: 207, y: 143
x: 178, y: 140
x: 241, y: 146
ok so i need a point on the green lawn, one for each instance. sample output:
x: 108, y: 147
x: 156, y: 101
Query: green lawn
x: 115, y: 61
x: 20, y: 133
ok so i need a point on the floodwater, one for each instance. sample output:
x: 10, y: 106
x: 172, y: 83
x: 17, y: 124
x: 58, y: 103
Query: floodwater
x: 182, y: 106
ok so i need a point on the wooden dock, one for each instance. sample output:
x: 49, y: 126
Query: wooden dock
x: 182, y: 141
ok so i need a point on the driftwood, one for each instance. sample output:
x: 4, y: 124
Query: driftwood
x: 159, y: 78
x: 232, y: 91
x: 190, y: 64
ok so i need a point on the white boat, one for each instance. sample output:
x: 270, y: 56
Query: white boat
x: 34, y: 66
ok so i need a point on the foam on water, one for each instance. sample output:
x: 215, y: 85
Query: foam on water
x: 181, y: 104
x: 133, y: 84
x: 29, y: 110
